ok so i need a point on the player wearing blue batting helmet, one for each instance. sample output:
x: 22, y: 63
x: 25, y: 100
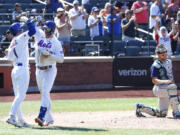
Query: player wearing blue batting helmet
x: 49, y: 27
x: 15, y: 28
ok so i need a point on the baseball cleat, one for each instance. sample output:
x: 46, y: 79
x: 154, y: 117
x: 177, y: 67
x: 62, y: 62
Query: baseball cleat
x: 23, y: 123
x: 13, y: 121
x: 48, y: 123
x: 39, y: 121
x: 176, y: 115
x: 138, y: 112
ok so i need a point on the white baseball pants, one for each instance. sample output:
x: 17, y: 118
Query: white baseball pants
x: 45, y: 80
x: 20, y: 80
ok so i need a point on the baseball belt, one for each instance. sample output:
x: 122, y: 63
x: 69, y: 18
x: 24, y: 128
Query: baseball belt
x: 44, y: 67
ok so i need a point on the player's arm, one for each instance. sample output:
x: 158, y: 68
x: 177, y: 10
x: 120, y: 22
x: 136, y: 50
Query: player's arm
x: 57, y: 54
x: 155, y: 73
x: 157, y: 81
x: 31, y: 28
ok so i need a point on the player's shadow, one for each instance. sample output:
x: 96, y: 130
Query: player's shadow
x: 70, y: 129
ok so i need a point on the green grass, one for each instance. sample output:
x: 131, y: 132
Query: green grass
x: 80, y: 105
x: 83, y: 105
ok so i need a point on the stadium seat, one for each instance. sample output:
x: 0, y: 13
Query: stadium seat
x: 119, y: 48
x: 36, y: 6
x: 24, y: 1
x: 133, y: 48
x: 3, y: 29
x: 148, y: 48
x: 98, y: 38
x: 10, y: 1
x: 117, y: 37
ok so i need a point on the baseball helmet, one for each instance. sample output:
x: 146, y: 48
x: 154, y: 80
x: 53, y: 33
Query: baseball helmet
x: 15, y: 28
x: 50, y: 26
x: 160, y: 49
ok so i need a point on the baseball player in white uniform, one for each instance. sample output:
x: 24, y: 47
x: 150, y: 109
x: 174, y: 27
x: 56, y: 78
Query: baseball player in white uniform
x: 164, y: 87
x: 48, y: 51
x: 18, y: 53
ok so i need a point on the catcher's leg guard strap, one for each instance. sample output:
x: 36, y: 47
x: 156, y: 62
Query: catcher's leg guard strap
x: 173, y: 97
x: 161, y: 113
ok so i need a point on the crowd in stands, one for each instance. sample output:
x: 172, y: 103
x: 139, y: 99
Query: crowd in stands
x: 91, y: 20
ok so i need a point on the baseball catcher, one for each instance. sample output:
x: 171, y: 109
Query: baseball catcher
x: 164, y: 87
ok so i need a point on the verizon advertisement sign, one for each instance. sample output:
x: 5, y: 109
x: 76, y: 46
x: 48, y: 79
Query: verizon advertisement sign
x: 132, y: 71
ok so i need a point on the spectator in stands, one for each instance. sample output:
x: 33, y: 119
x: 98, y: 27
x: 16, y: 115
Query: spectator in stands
x: 95, y: 22
x: 66, y: 8
x: 16, y: 14
x: 178, y: 16
x: 52, y: 6
x: 33, y: 13
x: 174, y: 41
x: 168, y: 25
x: 151, y: 2
x: 104, y: 12
x: 86, y: 5
x: 6, y: 41
x: 116, y: 22
x: 128, y: 26
x: 124, y: 7
x: 140, y: 8
x: 59, y: 12
x: 155, y: 12
x: 63, y: 26
x: 171, y: 1
x: 172, y: 9
x: 163, y: 37
x: 78, y: 17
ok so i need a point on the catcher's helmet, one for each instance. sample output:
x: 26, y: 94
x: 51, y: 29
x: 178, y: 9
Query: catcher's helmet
x: 160, y: 49
x: 50, y: 27
x: 15, y: 28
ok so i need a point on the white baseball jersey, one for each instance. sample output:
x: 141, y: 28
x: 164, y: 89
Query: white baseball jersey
x: 18, y: 50
x: 51, y: 45
x: 166, y: 41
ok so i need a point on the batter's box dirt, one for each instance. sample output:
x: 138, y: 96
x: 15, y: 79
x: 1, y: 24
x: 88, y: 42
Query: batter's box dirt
x: 109, y: 119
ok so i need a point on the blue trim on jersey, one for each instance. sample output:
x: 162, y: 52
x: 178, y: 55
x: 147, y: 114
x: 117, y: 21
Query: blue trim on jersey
x: 31, y: 28
x: 14, y: 50
x: 155, y: 72
x: 160, y: 72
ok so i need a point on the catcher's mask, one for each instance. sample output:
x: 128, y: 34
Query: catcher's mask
x: 161, y: 49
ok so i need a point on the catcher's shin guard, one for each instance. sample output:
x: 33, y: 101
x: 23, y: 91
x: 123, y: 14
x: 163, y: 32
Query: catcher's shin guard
x: 173, y: 98
x: 140, y: 108
x: 161, y: 113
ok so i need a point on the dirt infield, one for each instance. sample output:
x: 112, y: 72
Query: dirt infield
x: 87, y: 95
x: 102, y: 119
x: 108, y: 119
